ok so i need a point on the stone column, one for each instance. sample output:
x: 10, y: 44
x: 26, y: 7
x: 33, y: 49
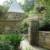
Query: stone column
x: 29, y: 31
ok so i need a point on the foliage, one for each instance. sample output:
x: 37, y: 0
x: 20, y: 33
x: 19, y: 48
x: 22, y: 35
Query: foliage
x: 45, y: 27
x: 2, y: 11
x: 4, y: 47
x: 46, y: 21
x: 15, y: 41
x: 11, y: 40
x: 28, y: 5
x: 41, y: 5
x: 24, y: 28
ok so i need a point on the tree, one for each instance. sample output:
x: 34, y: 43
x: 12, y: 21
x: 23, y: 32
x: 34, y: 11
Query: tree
x: 28, y: 5
x: 2, y: 11
x: 37, y: 9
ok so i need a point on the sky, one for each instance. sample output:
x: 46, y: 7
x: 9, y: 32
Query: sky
x: 1, y: 1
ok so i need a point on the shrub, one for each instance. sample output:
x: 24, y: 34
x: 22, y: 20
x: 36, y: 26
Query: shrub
x: 10, y: 40
x: 15, y: 40
x: 4, y: 46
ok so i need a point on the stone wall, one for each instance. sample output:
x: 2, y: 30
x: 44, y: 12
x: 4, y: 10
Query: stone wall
x: 44, y: 39
x: 8, y: 26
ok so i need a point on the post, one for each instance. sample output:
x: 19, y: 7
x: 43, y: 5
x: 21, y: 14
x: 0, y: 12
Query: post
x: 29, y: 31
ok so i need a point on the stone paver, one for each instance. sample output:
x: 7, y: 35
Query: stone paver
x: 25, y: 45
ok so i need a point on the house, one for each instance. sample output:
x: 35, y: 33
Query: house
x: 15, y: 15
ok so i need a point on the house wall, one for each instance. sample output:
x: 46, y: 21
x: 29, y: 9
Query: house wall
x: 15, y: 16
x: 8, y: 26
x: 10, y: 22
x: 11, y: 16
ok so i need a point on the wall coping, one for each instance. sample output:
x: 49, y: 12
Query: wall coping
x: 45, y: 31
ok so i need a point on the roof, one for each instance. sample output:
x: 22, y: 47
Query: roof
x: 15, y: 7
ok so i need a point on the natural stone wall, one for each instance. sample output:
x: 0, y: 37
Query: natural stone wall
x: 44, y: 39
x: 8, y: 26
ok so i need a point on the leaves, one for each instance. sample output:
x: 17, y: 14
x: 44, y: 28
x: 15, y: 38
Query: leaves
x: 28, y: 5
x: 2, y: 11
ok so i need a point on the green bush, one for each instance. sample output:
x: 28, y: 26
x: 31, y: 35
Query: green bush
x: 15, y: 40
x: 12, y: 39
x: 4, y: 47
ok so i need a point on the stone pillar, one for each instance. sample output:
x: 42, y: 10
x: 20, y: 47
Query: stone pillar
x: 29, y: 30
